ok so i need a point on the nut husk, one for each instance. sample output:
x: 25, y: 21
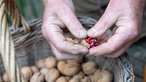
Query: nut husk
x: 52, y: 75
x: 86, y: 79
x: 38, y: 77
x: 84, y: 43
x: 6, y: 77
x: 41, y: 63
x: 68, y: 67
x: 44, y: 71
x: 27, y: 73
x: 34, y: 69
x: 50, y: 62
x: 102, y: 76
x: 89, y: 67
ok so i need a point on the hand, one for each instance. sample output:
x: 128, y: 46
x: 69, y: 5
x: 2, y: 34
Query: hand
x: 59, y: 15
x: 127, y: 17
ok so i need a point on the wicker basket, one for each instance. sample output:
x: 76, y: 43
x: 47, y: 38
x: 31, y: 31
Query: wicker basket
x: 24, y: 45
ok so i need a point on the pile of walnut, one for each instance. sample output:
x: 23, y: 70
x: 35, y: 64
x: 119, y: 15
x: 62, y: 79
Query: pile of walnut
x: 53, y: 70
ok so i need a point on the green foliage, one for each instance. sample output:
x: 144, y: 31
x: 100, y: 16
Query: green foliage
x: 33, y: 11
x: 33, y: 4
x: 34, y: 7
x: 21, y: 4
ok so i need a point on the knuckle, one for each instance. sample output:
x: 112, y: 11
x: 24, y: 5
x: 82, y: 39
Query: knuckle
x: 112, y: 49
x: 73, y: 24
x: 60, y: 48
x: 43, y: 30
x: 135, y: 33
x: 67, y: 48
x: 74, y: 51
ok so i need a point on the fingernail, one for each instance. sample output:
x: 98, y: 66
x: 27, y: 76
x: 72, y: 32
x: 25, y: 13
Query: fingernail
x: 92, y: 32
x: 82, y: 33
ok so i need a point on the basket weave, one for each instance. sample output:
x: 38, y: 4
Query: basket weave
x: 27, y: 45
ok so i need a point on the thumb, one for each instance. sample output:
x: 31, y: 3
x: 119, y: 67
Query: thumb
x: 72, y: 23
x: 104, y: 23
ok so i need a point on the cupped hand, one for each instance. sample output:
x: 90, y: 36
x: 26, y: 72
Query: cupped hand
x: 126, y: 17
x: 60, y: 15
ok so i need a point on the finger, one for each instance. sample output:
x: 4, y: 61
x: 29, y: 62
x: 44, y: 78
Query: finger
x: 62, y: 56
x: 118, y: 53
x: 104, y: 38
x: 54, y: 34
x: 119, y: 39
x: 72, y: 23
x: 106, y: 21
x: 122, y: 50
x: 116, y: 42
x: 51, y: 18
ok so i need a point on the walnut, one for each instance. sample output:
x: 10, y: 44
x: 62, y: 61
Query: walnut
x: 38, y: 77
x: 41, y: 63
x: 34, y: 69
x: 68, y: 67
x: 44, y: 71
x: 102, y: 76
x: 52, y: 75
x: 27, y: 73
x: 61, y: 79
x: 6, y: 77
x: 89, y: 67
x: 50, y: 62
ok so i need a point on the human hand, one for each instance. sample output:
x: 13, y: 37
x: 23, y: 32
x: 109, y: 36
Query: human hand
x: 59, y: 15
x: 127, y: 17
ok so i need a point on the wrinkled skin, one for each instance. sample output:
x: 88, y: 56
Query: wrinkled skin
x: 59, y: 15
x: 125, y: 15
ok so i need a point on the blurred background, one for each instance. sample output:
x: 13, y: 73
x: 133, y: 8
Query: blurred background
x: 32, y: 9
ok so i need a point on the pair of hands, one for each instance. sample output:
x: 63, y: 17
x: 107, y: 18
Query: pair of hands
x: 60, y: 14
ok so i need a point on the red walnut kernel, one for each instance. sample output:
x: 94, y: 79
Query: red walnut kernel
x: 92, y: 42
